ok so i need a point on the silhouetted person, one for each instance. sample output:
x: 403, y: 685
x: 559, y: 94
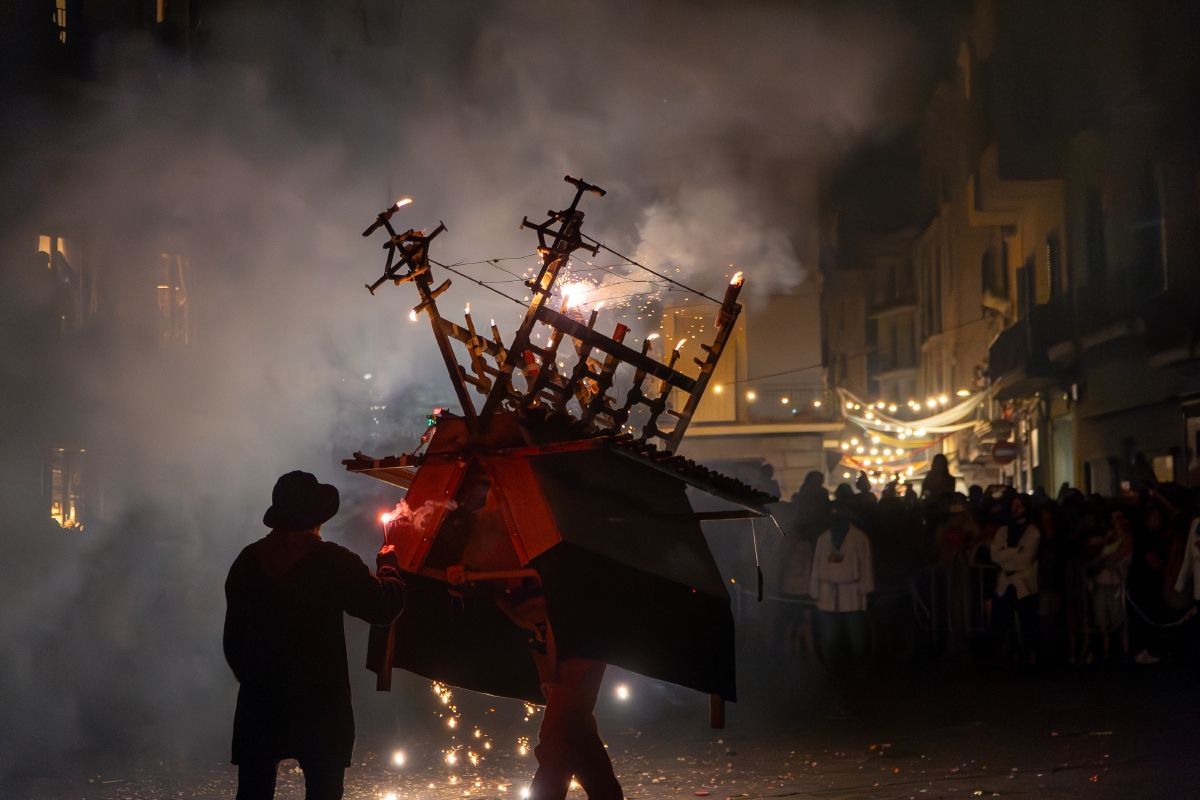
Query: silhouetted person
x: 938, y: 481
x: 569, y: 743
x: 284, y: 639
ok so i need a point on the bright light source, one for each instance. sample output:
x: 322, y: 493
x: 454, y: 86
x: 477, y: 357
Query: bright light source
x: 403, y: 201
x: 368, y: 376
x: 784, y: 400
x: 963, y: 393
x: 399, y: 759
x: 622, y: 692
x: 718, y: 388
x: 816, y: 403
x: 525, y: 793
x: 751, y: 395
x: 390, y: 796
x: 412, y: 315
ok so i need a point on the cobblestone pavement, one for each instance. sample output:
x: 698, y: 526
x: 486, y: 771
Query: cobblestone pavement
x: 1122, y: 734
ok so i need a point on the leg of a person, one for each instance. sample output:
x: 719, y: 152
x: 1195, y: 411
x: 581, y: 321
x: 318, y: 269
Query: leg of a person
x: 594, y: 769
x: 568, y: 742
x: 256, y: 780
x: 1027, y: 611
x: 858, y: 636
x: 323, y: 781
x: 833, y: 641
x: 1003, y: 608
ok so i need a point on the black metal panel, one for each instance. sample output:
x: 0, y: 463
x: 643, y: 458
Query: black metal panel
x: 606, y: 610
x: 464, y: 641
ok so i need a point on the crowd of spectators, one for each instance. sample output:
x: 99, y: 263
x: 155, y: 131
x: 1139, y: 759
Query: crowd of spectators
x: 989, y: 575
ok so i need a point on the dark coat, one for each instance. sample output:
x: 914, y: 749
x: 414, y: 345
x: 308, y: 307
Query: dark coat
x: 286, y: 596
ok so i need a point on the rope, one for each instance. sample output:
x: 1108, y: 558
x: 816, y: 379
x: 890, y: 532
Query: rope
x: 666, y: 278
x: 477, y: 281
x: 1187, y: 615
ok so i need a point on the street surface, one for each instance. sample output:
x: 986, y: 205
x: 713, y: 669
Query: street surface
x: 1119, y: 732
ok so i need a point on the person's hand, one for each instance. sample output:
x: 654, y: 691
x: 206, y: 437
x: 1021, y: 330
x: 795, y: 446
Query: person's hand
x: 387, y: 558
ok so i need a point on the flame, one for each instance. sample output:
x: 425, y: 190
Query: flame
x: 679, y: 345
x: 412, y: 315
x: 737, y: 279
x: 388, y: 516
x: 403, y: 201
x: 652, y: 337
x: 467, y: 309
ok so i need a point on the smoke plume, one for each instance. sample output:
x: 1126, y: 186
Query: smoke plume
x: 261, y: 158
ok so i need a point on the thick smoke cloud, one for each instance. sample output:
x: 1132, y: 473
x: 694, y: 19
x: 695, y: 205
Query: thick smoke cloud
x: 262, y: 158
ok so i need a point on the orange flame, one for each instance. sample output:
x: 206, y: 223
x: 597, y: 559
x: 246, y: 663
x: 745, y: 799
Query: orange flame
x: 403, y: 201
x: 737, y: 279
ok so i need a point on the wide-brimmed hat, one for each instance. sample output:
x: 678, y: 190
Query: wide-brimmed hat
x: 299, y: 502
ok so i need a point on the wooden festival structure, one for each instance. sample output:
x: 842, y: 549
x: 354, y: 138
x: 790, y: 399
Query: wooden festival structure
x: 545, y: 486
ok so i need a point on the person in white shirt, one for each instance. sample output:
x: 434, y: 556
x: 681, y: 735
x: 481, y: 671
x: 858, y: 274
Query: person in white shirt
x: 842, y: 576
x: 1015, y: 551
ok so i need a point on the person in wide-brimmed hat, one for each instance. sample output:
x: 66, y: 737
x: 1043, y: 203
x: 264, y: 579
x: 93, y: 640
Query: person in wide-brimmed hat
x: 286, y: 595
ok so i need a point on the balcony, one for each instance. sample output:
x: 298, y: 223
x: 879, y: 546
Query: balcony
x: 1018, y: 359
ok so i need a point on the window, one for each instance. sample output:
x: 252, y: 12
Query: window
x: 60, y: 19
x: 64, y: 484
x: 171, y: 300
x: 72, y: 290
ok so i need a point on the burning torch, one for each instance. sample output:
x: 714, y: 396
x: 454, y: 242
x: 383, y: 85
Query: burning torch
x: 386, y: 215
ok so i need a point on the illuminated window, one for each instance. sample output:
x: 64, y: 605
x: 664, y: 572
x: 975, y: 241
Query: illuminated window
x: 64, y: 484
x: 171, y: 299
x: 60, y: 19
x: 74, y: 294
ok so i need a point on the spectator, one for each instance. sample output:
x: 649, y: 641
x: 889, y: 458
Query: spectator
x: 1147, y: 579
x: 1110, y: 551
x: 938, y: 483
x: 1015, y: 551
x: 842, y: 576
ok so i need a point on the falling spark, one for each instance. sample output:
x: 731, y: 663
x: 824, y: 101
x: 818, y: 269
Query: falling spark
x: 399, y: 759
x: 451, y: 758
x: 452, y: 723
x: 473, y: 758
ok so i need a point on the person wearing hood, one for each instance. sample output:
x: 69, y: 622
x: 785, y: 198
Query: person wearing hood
x: 843, y: 574
x: 284, y: 639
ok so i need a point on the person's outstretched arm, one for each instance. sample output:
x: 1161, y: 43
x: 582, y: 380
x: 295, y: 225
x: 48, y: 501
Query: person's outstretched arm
x: 377, y: 599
